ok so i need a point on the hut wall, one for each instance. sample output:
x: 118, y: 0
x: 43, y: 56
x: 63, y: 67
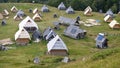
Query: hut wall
x: 109, y: 20
x: 22, y: 41
x: 58, y: 52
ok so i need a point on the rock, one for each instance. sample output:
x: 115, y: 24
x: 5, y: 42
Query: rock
x: 36, y: 60
x: 66, y: 60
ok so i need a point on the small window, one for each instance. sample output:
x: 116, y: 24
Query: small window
x: 58, y: 40
x: 22, y: 29
x: 73, y: 31
x: 29, y: 21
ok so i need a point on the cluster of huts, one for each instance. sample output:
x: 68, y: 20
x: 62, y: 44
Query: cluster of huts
x: 109, y: 18
x: 20, y: 14
x: 70, y: 10
x: 56, y: 45
x: 77, y: 33
x: 28, y: 26
x: 101, y: 40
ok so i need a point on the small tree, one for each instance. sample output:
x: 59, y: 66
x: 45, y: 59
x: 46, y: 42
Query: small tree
x: 114, y: 8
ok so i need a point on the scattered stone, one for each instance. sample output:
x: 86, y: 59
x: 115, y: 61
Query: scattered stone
x: 66, y: 60
x: 3, y: 22
x: 30, y: 10
x: 55, y: 15
x: 36, y: 60
x: 3, y: 48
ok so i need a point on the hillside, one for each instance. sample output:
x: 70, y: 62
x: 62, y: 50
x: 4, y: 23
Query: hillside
x: 83, y: 52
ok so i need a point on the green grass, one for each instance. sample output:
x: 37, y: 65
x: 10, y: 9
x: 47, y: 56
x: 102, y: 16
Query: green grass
x: 83, y: 51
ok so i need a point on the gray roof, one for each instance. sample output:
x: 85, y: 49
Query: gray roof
x: 56, y: 23
x: 47, y: 30
x: 20, y: 13
x: 45, y: 8
x: 109, y: 12
x: 74, y: 32
x: 36, y: 35
x: 68, y: 21
x: 61, y: 6
x: 48, y: 34
x: 70, y: 10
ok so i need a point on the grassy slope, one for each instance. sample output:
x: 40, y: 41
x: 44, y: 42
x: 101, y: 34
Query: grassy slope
x: 83, y: 51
